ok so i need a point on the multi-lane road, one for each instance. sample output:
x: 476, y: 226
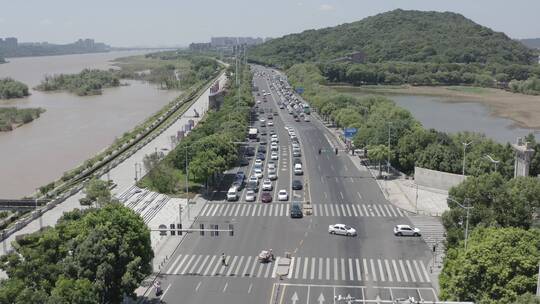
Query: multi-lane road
x: 373, y: 265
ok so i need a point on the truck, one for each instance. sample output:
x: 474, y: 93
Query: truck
x: 252, y: 133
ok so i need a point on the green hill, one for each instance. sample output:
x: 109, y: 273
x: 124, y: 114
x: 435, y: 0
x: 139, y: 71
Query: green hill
x: 398, y: 35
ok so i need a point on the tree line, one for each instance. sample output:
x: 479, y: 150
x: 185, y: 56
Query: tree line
x: 89, y: 256
x: 87, y: 82
x: 210, y: 148
x: 501, y: 260
x: 10, y: 88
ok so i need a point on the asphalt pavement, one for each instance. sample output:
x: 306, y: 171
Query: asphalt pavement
x: 373, y: 265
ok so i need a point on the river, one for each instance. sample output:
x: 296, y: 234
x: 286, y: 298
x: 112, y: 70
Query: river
x: 73, y: 128
x: 454, y: 115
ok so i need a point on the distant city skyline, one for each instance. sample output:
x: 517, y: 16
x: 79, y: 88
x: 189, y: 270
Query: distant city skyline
x: 180, y: 22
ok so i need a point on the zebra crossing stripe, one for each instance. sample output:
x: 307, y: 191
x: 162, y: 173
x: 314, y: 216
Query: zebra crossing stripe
x: 373, y: 271
x: 343, y: 270
x: 343, y: 209
x: 312, y: 276
x: 320, y: 268
x: 327, y: 269
x: 237, y: 272
x: 396, y: 271
x: 325, y: 209
x: 366, y: 275
x: 260, y: 270
x: 374, y: 206
x: 403, y: 271
x: 399, y: 211
x: 171, y: 268
x: 418, y: 271
x: 298, y: 260
x: 358, y: 269
x: 306, y: 262
x: 267, y: 273
x: 425, y: 271
x: 337, y: 210
x: 387, y: 210
x: 351, y: 272
x: 365, y: 210
x: 203, y: 263
x: 278, y: 208
x: 209, y: 265
x: 380, y: 270
x: 215, y: 270
x: 289, y: 275
x: 354, y: 210
x: 254, y: 210
x: 360, y: 211
x: 187, y: 265
x: 225, y: 210
x: 244, y: 272
x: 388, y: 271
x: 408, y: 264
x: 252, y: 270
x: 335, y: 270
x: 231, y: 266
x: 275, y: 268
x: 331, y: 209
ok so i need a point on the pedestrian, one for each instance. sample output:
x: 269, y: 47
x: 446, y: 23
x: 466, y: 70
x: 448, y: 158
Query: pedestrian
x: 223, y: 260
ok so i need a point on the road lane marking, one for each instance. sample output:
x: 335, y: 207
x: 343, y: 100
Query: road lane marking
x: 337, y: 180
x: 388, y: 270
x: 373, y: 271
x: 165, y: 292
x: 425, y: 271
x: 198, y: 285
x: 405, y: 278
x: 411, y: 273
x: 322, y: 179
x: 396, y: 271
x: 312, y: 275
x: 418, y: 271
x: 332, y: 166
x: 325, y: 195
x: 277, y: 211
x: 366, y: 271
x: 337, y: 211
x: 341, y: 193
x: 209, y: 265
x: 358, y: 271
x: 249, y: 289
x: 381, y: 270
x: 359, y: 195
x: 225, y: 287
x: 276, y: 263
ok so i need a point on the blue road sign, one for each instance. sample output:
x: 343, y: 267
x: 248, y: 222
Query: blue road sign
x: 299, y: 90
x: 349, y: 133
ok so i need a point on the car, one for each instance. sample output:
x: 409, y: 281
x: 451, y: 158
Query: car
x: 258, y: 101
x: 262, y: 148
x: 250, y: 196
x: 263, y: 132
x: 281, y: 106
x: 267, y: 185
x: 232, y: 194
x: 258, y: 172
x: 264, y: 142
x: 296, y: 153
x: 341, y: 229
x: 298, y: 169
x: 406, y: 230
x: 273, y: 132
x: 282, y: 195
x: 274, y: 147
x: 243, y: 161
x: 261, y: 156
x: 270, y: 124
x: 274, y: 140
x: 274, y: 155
x: 272, y: 174
x: 258, y: 162
x: 296, y: 184
x: 240, y: 175
x: 306, y: 118
x: 297, y: 161
x: 254, y: 178
x: 266, y: 197
x: 296, y: 210
x: 250, y: 151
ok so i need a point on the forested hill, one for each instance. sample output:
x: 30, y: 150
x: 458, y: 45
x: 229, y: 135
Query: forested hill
x: 533, y: 43
x: 397, y: 35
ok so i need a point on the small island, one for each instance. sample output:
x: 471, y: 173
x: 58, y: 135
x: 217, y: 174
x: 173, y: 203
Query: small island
x: 10, y: 88
x: 87, y: 82
x: 11, y: 118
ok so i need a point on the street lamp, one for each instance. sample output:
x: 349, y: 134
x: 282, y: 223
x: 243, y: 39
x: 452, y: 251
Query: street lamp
x: 467, y: 220
x: 465, y: 145
x: 388, y: 160
x: 495, y: 162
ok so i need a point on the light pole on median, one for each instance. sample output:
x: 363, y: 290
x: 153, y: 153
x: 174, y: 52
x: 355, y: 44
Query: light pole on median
x: 467, y: 208
x: 493, y: 161
x: 465, y: 145
x: 388, y: 160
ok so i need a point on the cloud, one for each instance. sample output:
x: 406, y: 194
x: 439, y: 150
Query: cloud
x: 326, y: 7
x: 2, y: 20
x: 46, y: 22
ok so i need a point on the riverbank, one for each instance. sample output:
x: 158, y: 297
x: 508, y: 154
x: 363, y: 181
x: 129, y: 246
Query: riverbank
x: 523, y: 110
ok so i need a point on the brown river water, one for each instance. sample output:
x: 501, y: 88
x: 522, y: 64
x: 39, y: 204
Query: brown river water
x: 73, y: 128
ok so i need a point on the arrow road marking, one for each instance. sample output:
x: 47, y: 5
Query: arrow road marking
x: 321, y: 299
x: 294, y: 298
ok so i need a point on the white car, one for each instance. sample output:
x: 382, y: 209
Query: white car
x: 258, y: 172
x: 274, y: 147
x: 250, y: 196
x: 271, y: 165
x: 254, y: 178
x: 272, y: 174
x: 298, y: 169
x: 270, y: 123
x: 274, y: 155
x: 258, y: 162
x: 232, y: 194
x: 403, y: 230
x: 341, y: 229
x: 262, y: 120
x: 267, y: 185
x: 274, y: 139
x: 282, y: 195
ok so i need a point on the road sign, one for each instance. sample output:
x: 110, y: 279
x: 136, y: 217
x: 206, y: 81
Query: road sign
x: 349, y: 133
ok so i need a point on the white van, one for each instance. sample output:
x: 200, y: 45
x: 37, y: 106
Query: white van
x: 298, y: 169
x: 232, y: 194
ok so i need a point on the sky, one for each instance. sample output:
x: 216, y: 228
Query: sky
x: 180, y: 22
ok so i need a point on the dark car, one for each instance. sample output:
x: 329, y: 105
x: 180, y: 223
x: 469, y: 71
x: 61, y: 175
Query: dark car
x: 263, y: 132
x: 240, y: 175
x: 296, y: 210
x: 243, y: 162
x: 261, y: 156
x: 266, y: 197
x: 297, y: 161
x: 264, y: 141
x: 296, y: 185
x: 250, y: 151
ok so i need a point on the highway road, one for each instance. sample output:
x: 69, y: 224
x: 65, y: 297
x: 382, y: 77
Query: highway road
x: 373, y: 265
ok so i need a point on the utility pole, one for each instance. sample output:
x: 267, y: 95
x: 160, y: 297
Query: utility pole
x: 388, y: 160
x: 187, y: 183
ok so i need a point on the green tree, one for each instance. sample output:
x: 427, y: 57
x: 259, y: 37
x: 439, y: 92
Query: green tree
x: 378, y: 153
x: 499, y: 265
x: 97, y: 191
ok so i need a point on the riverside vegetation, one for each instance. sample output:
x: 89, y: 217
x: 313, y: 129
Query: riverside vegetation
x: 87, y: 82
x: 10, y: 88
x: 501, y: 204
x: 12, y: 117
x: 412, y: 47
x: 98, y: 255
x: 209, y: 148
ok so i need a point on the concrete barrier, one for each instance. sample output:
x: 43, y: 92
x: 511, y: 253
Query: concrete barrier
x: 437, y: 179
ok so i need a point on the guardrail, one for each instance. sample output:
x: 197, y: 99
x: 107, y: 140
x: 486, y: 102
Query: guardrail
x: 75, y: 185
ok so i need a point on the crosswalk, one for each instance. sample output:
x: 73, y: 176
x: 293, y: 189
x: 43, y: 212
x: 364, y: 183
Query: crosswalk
x: 433, y: 233
x: 282, y: 209
x: 347, y: 269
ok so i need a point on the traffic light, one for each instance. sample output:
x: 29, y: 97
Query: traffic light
x: 172, y: 230
x: 336, y: 150
x: 179, y: 227
x: 231, y: 230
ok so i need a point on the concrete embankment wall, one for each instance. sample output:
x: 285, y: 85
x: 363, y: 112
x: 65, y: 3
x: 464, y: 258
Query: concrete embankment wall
x: 437, y: 179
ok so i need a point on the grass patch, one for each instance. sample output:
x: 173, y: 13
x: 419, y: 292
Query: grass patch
x: 471, y: 90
